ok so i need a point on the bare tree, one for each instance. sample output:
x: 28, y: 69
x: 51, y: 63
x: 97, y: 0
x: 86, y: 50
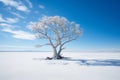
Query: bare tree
x: 58, y: 31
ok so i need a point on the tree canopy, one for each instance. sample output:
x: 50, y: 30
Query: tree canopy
x: 58, y: 31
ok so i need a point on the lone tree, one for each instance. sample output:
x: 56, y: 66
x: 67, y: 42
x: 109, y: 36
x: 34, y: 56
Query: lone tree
x: 58, y: 31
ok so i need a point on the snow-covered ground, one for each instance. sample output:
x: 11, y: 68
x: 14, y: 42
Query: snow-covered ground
x: 81, y: 66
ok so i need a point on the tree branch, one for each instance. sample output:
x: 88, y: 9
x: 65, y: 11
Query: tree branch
x: 47, y: 37
x: 69, y: 41
x: 42, y: 45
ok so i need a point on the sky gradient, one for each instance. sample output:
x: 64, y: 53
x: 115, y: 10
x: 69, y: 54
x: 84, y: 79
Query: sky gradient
x: 100, y: 20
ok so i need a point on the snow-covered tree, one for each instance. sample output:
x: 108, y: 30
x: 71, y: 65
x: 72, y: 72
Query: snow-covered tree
x: 58, y: 31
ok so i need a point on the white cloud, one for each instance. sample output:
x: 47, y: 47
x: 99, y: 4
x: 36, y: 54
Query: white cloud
x: 30, y: 25
x: 20, y: 34
x: 37, y: 12
x: 111, y: 49
x: 8, y: 20
x: 41, y: 6
x: 30, y: 4
x: 18, y: 5
x: 11, y: 20
x: 18, y: 15
x: 5, y: 25
x: 16, y: 46
x: 1, y: 19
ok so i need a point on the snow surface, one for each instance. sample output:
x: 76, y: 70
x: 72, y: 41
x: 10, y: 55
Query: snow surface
x: 80, y: 66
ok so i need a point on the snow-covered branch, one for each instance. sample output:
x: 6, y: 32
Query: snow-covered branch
x: 57, y: 30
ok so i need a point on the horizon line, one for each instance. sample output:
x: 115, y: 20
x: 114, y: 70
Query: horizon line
x: 62, y: 51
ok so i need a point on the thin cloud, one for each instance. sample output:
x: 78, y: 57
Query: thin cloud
x: 8, y: 20
x: 18, y: 15
x: 12, y: 20
x: 41, y: 6
x: 20, y: 34
x: 15, y: 46
x: 5, y: 25
x: 18, y: 5
x: 29, y: 26
x: 37, y: 12
x: 2, y: 19
x: 30, y: 4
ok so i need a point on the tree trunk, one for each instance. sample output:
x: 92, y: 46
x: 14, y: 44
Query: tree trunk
x: 56, y: 54
x: 59, y: 51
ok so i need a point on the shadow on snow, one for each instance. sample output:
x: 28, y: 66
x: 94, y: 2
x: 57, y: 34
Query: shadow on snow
x: 86, y: 62
x: 96, y: 62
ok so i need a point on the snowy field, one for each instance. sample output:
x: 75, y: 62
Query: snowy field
x: 80, y: 66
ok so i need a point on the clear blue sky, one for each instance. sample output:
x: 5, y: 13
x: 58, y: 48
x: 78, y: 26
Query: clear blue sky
x: 100, y: 20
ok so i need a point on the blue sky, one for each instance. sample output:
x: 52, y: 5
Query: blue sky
x: 100, y: 20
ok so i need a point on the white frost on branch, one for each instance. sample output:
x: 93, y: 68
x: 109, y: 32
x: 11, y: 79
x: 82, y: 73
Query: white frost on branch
x: 58, y: 22
x: 58, y: 31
